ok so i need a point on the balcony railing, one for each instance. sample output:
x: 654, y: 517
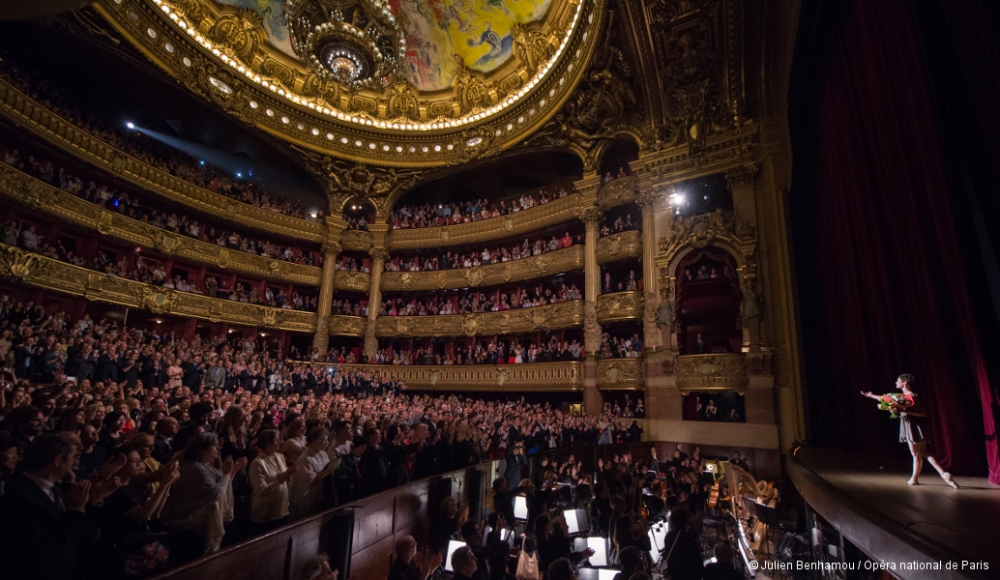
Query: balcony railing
x: 619, y: 191
x: 547, y: 264
x: 43, y: 272
x: 355, y: 281
x: 619, y: 306
x: 340, y: 325
x: 40, y: 196
x: 538, y: 318
x: 557, y: 376
x: 35, y: 117
x: 514, y: 224
x: 711, y: 372
x: 619, y: 247
x: 620, y: 374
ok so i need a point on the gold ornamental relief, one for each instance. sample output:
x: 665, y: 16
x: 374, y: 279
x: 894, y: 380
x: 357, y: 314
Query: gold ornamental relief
x: 560, y: 376
x: 711, y: 372
x: 619, y: 191
x: 554, y: 316
x: 624, y: 373
x: 619, y: 306
x: 619, y: 246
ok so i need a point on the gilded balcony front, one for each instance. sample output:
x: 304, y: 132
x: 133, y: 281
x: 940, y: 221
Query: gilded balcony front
x: 547, y: 264
x: 618, y: 191
x: 348, y: 325
x: 522, y: 222
x: 619, y: 247
x: 31, y: 115
x: 538, y: 318
x: 711, y: 372
x: 620, y: 374
x: 353, y: 281
x: 40, y: 196
x: 356, y: 240
x: 619, y: 306
x: 42, y: 272
x: 558, y: 376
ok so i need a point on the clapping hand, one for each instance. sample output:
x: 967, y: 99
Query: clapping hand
x: 78, y: 495
x: 113, y: 466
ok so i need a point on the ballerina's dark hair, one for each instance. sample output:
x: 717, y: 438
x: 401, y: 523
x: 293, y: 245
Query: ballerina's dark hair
x: 908, y: 379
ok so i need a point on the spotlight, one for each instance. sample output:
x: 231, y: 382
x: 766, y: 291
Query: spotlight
x: 239, y: 174
x: 201, y: 162
x: 313, y: 214
x: 677, y: 198
x: 130, y: 125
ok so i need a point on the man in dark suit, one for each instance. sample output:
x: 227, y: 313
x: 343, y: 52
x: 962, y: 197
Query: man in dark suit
x: 41, y: 526
x: 404, y: 568
x: 681, y: 549
x: 82, y: 363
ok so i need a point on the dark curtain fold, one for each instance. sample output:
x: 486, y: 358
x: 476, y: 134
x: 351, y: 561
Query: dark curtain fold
x: 882, y: 283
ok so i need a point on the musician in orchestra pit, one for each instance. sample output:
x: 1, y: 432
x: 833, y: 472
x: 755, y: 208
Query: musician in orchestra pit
x: 738, y: 461
x: 913, y: 431
x: 722, y: 568
x: 653, y: 464
x: 681, y: 549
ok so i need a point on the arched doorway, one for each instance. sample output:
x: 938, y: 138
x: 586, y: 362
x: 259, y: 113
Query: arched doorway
x: 708, y: 302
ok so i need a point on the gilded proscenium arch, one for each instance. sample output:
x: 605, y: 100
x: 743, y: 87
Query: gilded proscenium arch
x: 151, y: 29
x: 522, y: 222
x: 42, y: 272
x: 547, y: 264
x: 35, y: 117
x: 40, y: 196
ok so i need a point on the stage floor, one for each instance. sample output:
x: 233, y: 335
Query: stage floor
x: 943, y: 521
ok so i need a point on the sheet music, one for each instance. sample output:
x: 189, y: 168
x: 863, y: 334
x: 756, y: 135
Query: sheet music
x: 572, y: 525
x: 453, y: 546
x: 520, y: 508
x: 600, y: 547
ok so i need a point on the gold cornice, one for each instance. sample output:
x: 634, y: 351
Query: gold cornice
x: 619, y: 247
x: 620, y: 374
x: 356, y: 241
x: 670, y: 165
x: 340, y: 325
x: 549, y: 263
x: 301, y: 103
x: 619, y: 306
x: 354, y: 281
x: 514, y: 224
x: 618, y: 191
x: 42, y: 272
x: 25, y: 112
x: 539, y: 318
x: 41, y: 196
x: 711, y: 372
x: 557, y: 376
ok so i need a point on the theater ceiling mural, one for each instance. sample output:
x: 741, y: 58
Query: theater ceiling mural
x: 406, y: 83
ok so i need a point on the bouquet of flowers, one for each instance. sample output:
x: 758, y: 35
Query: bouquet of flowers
x: 895, y: 403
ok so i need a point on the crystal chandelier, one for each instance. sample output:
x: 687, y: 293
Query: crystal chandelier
x: 355, y: 42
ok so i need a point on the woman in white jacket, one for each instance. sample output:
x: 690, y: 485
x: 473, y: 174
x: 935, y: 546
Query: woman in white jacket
x: 306, y: 488
x: 269, y: 476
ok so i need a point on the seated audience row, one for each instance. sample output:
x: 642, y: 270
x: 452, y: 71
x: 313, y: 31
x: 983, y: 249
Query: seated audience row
x: 446, y: 214
x: 454, y: 261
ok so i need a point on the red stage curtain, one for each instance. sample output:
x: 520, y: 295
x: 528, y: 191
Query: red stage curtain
x: 888, y: 293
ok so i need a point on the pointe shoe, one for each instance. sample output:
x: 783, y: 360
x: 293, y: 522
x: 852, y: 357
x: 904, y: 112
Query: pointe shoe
x: 913, y: 481
x: 947, y: 479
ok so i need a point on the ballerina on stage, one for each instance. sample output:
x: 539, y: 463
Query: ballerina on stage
x: 911, y: 413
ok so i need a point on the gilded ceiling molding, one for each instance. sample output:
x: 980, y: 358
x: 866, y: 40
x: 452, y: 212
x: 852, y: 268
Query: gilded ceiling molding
x: 620, y: 374
x: 40, y: 196
x: 522, y: 222
x: 620, y: 246
x: 619, y: 306
x: 218, y: 52
x: 27, y: 113
x: 42, y: 272
x: 719, y: 228
x: 340, y: 325
x: 547, y: 264
x: 557, y: 376
x: 711, y: 372
x: 538, y: 318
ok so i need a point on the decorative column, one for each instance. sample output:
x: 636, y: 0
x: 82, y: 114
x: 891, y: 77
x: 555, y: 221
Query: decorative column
x: 592, y: 401
x: 321, y: 340
x: 379, y: 256
x: 740, y: 180
x: 653, y: 338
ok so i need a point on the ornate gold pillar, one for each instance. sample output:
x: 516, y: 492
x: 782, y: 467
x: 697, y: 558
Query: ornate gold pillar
x: 652, y: 336
x: 379, y: 256
x: 321, y: 339
x: 592, y: 401
x: 740, y: 180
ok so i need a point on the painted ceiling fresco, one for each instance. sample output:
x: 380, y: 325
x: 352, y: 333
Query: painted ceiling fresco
x: 442, y: 36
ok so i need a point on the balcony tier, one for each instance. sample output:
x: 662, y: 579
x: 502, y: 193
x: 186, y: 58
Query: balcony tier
x: 42, y: 272
x: 35, y: 117
x: 547, y: 264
